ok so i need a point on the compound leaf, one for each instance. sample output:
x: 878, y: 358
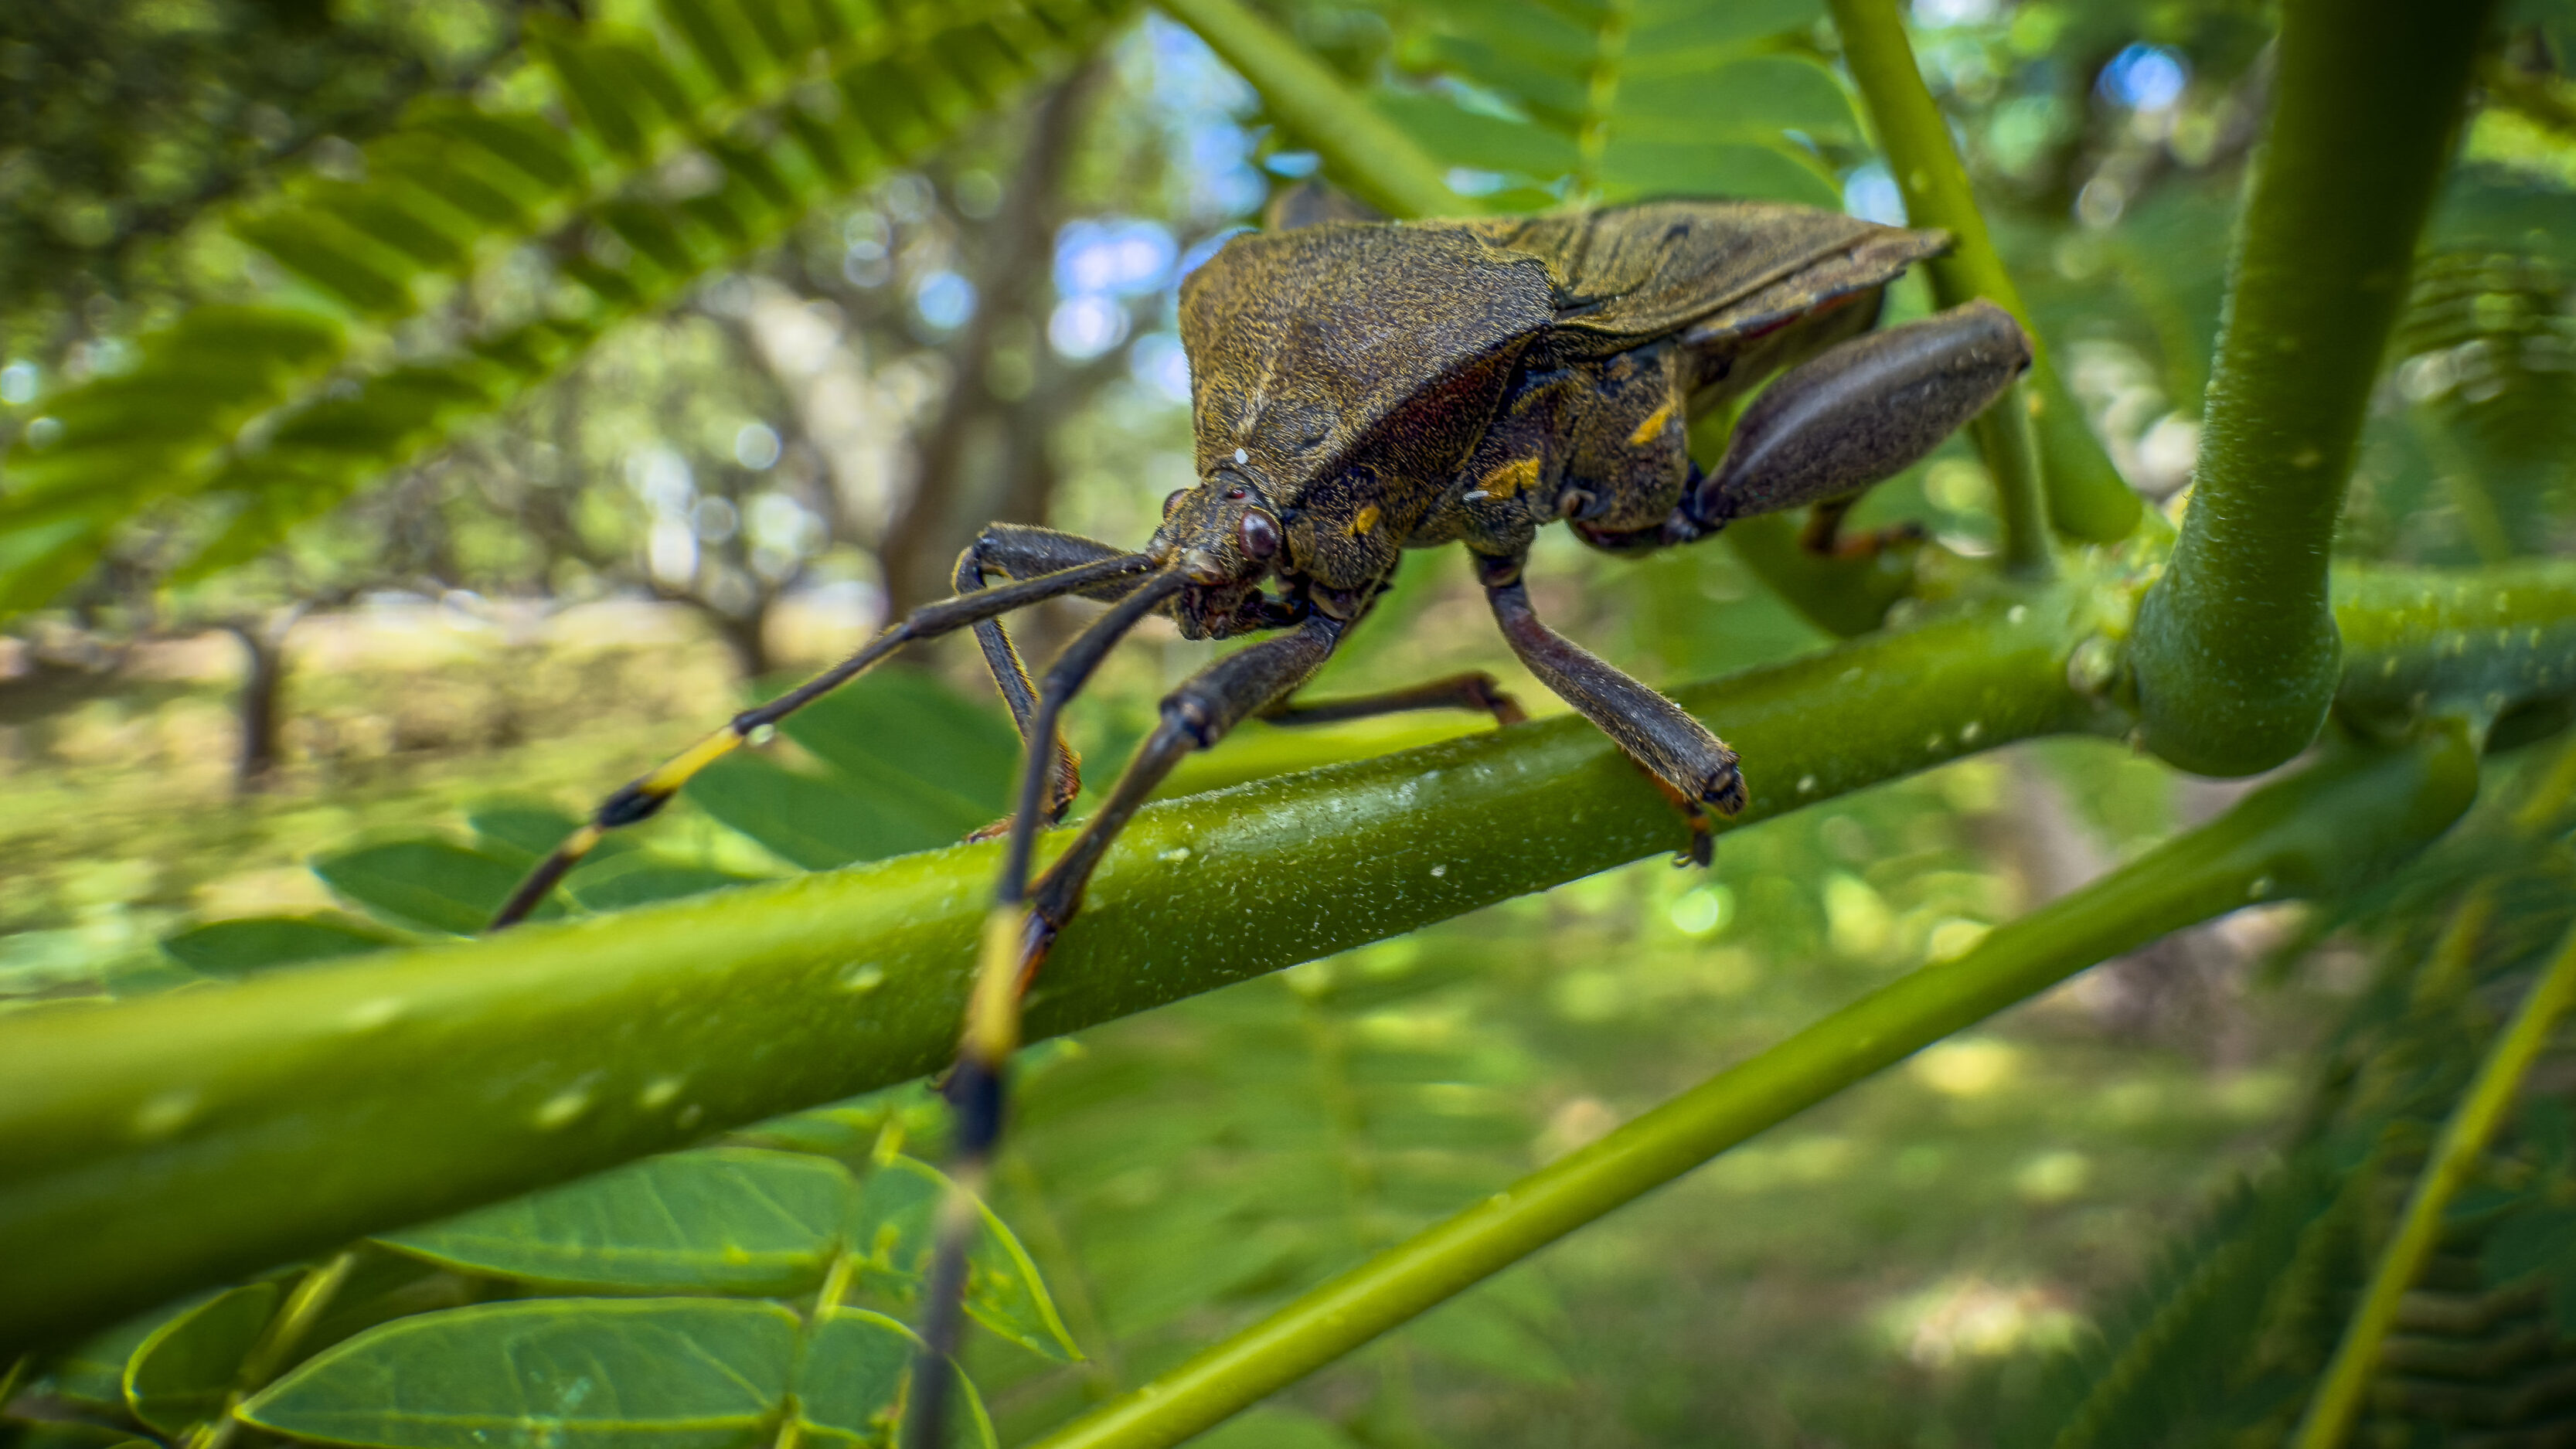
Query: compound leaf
x: 561, y: 1373
x: 718, y: 1220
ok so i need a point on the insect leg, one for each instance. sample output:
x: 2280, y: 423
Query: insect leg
x: 648, y: 793
x: 1475, y: 690
x: 1695, y: 766
x: 1856, y: 413
x: 1194, y: 716
x: 1824, y: 535
x: 1022, y: 552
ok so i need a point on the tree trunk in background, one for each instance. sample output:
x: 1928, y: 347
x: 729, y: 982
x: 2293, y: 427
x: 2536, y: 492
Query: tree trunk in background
x: 258, y: 706
x: 923, y: 541
x: 745, y: 636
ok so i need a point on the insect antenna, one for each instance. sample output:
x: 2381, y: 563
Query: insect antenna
x: 648, y: 793
x: 1013, y: 944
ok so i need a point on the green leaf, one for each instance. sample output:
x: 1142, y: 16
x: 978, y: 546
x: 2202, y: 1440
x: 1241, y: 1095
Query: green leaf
x: 1462, y: 137
x: 719, y: 1220
x: 1683, y: 32
x: 1750, y: 100
x: 2538, y: 1242
x: 92, y: 1371
x: 813, y: 821
x: 182, y: 1374
x: 357, y: 276
x: 705, y: 33
x: 63, y: 1434
x: 562, y: 1373
x: 640, y: 880
x: 430, y: 883
x: 516, y: 832
x: 903, y: 724
x: 853, y: 1384
x: 895, y: 1232
x: 229, y: 948
x: 1634, y: 167
x: 1555, y: 87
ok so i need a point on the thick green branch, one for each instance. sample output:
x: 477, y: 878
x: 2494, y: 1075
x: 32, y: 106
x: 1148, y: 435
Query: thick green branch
x: 173, y: 1141
x: 2350, y: 817
x: 2083, y: 490
x: 1362, y: 150
x: 2236, y: 648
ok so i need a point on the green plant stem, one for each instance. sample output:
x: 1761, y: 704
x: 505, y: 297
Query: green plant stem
x: 2083, y: 490
x: 2236, y: 650
x: 166, y: 1143
x: 1363, y: 150
x: 2007, y: 442
x: 2337, y: 1405
x: 2351, y: 816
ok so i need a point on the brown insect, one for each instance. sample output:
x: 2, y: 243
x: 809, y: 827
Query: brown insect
x: 1362, y: 388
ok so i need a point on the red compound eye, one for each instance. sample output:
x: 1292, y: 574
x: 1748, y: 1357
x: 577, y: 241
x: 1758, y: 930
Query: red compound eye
x: 1236, y: 495
x: 1260, y: 533
x: 1173, y: 499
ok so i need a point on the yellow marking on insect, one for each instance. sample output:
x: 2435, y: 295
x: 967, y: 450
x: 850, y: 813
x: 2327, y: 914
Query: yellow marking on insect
x: 1366, y: 520
x: 993, y: 1009
x: 579, y: 843
x: 1510, y: 478
x: 688, y: 762
x: 1652, y: 428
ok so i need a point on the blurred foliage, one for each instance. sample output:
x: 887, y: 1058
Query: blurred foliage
x: 584, y: 306
x: 2239, y: 1318
x: 127, y: 119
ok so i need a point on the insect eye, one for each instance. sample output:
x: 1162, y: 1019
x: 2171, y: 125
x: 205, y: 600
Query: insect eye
x: 1260, y: 533
x: 1236, y: 495
x: 1173, y: 499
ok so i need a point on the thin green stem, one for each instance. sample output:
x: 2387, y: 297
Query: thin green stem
x: 2011, y: 448
x: 2362, y: 813
x: 2337, y: 1405
x: 2236, y: 650
x: 1363, y: 150
x: 2082, y: 489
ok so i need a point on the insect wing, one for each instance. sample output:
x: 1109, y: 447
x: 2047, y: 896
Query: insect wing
x: 1630, y: 274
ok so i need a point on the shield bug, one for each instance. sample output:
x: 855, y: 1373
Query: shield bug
x: 1360, y: 388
